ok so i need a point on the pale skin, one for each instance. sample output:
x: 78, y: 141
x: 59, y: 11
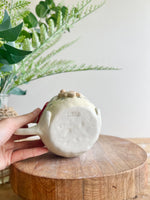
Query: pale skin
x: 12, y: 151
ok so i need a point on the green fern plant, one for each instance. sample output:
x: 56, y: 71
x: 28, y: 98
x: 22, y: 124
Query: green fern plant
x: 40, y: 34
x: 17, y: 10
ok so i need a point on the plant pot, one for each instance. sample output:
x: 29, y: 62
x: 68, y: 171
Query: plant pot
x: 5, y: 112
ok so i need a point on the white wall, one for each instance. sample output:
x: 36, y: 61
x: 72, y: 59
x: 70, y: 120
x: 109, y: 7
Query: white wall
x: 116, y: 35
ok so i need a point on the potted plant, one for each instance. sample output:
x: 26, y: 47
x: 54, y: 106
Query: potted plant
x: 25, y: 38
x: 23, y: 58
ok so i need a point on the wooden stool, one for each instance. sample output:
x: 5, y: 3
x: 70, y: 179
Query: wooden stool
x: 114, y: 169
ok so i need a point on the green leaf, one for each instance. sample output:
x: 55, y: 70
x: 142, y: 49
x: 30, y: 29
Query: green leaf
x: 27, y: 44
x: 43, y: 35
x: 54, y: 18
x: 26, y: 34
x: 15, y: 59
x: 51, y: 27
x: 11, y: 55
x: 29, y: 78
x: 11, y: 34
x: 1, y: 43
x: 17, y: 52
x: 6, y: 58
x: 19, y: 40
x: 41, y: 24
x: 3, y: 56
x: 6, y: 22
x: 11, y: 44
x: 68, y: 29
x: 35, y: 40
x: 49, y: 2
x: 6, y: 68
x: 65, y: 12
x: 41, y: 9
x: 30, y: 20
x: 17, y: 91
x: 59, y: 19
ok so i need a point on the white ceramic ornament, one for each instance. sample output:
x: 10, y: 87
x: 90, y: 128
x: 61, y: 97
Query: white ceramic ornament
x: 69, y: 125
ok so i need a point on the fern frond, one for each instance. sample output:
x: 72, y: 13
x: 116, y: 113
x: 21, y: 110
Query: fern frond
x: 35, y: 65
x: 51, y: 27
x: 35, y: 39
x: 61, y: 27
x: 59, y: 19
x: 47, y: 67
x: 49, y: 56
x: 62, y: 66
x: 42, y: 48
x: 20, y: 4
x: 18, y: 16
x: 91, y: 9
x: 27, y: 45
x: 4, y: 5
x: 44, y: 61
x: 17, y: 10
x: 43, y: 33
x: 82, y: 4
x: 51, y: 68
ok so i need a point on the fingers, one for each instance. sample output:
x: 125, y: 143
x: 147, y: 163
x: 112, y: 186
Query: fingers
x: 10, y: 125
x: 27, y: 153
x: 23, y: 120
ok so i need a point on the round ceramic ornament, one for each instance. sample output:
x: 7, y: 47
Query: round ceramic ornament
x: 69, y: 125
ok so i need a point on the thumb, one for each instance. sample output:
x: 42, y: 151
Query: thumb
x: 22, y: 120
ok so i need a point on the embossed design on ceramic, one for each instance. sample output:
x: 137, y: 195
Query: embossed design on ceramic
x: 69, y: 125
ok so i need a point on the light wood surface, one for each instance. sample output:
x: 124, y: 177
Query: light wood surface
x: 114, y: 169
x: 145, y: 144
x: 7, y: 193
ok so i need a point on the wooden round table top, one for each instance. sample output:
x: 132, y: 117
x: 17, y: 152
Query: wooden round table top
x: 114, y: 169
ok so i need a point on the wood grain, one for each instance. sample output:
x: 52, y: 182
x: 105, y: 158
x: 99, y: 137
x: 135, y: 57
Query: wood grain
x: 145, y: 144
x: 114, y: 169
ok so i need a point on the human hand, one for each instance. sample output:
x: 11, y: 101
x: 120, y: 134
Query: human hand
x: 11, y: 151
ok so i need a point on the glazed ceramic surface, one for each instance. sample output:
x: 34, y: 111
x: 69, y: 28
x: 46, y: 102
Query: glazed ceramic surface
x: 69, y: 125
